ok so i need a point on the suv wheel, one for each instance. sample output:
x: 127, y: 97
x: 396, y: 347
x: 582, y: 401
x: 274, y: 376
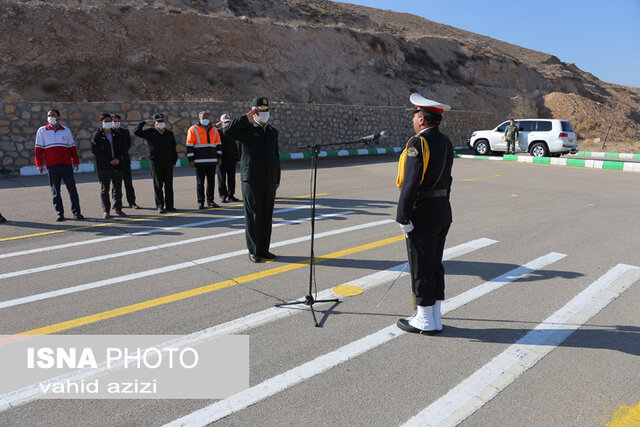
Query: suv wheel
x: 482, y: 147
x: 539, y: 149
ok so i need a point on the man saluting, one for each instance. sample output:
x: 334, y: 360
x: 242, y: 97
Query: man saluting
x: 424, y: 211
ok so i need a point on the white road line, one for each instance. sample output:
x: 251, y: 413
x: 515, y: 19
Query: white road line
x: 330, y: 360
x: 153, y: 248
x: 236, y: 326
x: 139, y: 233
x: 482, y: 386
x: 175, y: 267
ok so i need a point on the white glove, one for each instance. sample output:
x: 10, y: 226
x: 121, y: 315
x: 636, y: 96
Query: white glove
x: 406, y: 228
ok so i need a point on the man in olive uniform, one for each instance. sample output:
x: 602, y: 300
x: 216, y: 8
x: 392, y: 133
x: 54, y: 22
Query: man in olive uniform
x: 260, y: 174
x: 162, y: 158
x: 511, y: 136
x: 424, y: 211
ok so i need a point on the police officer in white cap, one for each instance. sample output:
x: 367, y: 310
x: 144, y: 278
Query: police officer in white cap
x: 424, y: 211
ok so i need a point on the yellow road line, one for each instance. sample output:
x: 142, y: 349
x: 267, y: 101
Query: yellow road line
x: 109, y: 314
x: 45, y: 233
x: 626, y: 416
x: 481, y: 179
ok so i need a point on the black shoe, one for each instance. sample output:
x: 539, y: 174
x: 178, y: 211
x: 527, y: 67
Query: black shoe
x: 200, y: 206
x: 2, y: 219
x: 78, y: 216
x: 134, y: 206
x: 254, y: 258
x: 225, y: 199
x: 60, y: 218
x: 161, y: 211
x: 172, y: 210
x: 268, y: 255
x: 234, y: 199
x: 213, y: 204
x: 405, y: 326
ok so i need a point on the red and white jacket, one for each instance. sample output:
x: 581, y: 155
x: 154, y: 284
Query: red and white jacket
x: 56, y: 146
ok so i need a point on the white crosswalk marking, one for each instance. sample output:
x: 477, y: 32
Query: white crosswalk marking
x: 332, y: 359
x: 155, y: 247
x: 175, y: 267
x: 482, y: 386
x: 236, y: 326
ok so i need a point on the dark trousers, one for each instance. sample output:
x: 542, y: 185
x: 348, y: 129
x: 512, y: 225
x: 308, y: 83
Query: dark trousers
x: 162, y: 174
x: 57, y: 174
x: 227, y: 178
x: 511, y: 147
x: 258, y: 200
x: 205, y: 171
x: 107, y: 177
x: 425, y: 247
x: 128, y: 183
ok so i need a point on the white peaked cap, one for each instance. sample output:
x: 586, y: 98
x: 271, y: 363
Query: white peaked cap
x: 422, y: 103
x: 225, y: 118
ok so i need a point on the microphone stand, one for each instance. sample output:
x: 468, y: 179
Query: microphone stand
x: 309, y: 300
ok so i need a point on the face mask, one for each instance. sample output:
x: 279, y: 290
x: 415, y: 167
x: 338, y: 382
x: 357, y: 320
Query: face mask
x: 263, y: 116
x: 161, y: 125
x: 107, y: 125
x: 52, y: 120
x: 204, y: 122
x: 116, y: 125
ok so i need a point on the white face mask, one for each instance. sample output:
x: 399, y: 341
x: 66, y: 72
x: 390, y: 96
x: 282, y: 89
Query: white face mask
x: 116, y: 125
x: 263, y: 117
x: 107, y: 125
x: 52, y: 120
x: 204, y: 122
x: 161, y: 125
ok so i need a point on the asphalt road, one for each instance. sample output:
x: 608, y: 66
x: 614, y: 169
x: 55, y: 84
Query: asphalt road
x: 577, y: 225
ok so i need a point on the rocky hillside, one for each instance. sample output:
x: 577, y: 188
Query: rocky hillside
x: 311, y: 51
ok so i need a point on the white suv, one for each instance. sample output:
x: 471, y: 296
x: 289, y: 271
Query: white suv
x: 540, y: 137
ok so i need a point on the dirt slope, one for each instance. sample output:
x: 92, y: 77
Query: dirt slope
x: 313, y: 51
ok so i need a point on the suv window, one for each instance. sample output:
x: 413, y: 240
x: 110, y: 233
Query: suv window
x: 566, y: 126
x: 526, y: 126
x: 502, y: 127
x: 543, y: 126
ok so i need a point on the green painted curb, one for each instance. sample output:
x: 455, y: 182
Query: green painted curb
x: 615, y: 155
x: 184, y: 162
x: 617, y: 166
x: 636, y: 156
x: 510, y: 157
x: 575, y: 162
x: 144, y: 164
x: 542, y: 160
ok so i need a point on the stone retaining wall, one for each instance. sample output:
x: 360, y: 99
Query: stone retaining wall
x: 299, y: 124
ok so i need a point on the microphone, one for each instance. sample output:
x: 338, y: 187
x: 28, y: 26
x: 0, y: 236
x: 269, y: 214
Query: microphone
x: 374, y: 137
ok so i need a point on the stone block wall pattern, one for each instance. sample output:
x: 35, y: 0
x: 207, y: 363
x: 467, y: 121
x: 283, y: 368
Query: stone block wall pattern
x: 299, y: 124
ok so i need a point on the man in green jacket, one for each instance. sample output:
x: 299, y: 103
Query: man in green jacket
x: 260, y: 174
x: 511, y: 136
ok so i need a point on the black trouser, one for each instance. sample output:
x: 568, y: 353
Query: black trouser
x: 128, y: 183
x: 205, y: 171
x: 57, y: 174
x: 162, y: 174
x: 425, y: 247
x: 258, y: 200
x: 227, y: 178
x: 106, y: 177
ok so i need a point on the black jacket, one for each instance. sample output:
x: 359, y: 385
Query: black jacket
x: 436, y: 177
x: 101, y: 148
x: 229, y: 149
x: 126, y: 141
x: 258, y: 150
x: 162, y: 145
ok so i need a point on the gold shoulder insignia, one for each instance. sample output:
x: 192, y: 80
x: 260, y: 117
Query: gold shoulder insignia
x: 412, y: 151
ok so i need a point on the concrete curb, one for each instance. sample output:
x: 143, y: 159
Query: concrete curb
x: 558, y: 161
x: 608, y: 155
x: 183, y: 162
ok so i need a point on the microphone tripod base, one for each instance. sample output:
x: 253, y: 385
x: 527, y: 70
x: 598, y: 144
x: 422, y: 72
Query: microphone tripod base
x: 309, y: 300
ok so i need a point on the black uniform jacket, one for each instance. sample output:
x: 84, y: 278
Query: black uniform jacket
x: 162, y: 145
x: 126, y: 141
x: 101, y: 148
x: 258, y: 150
x: 410, y: 194
x: 229, y: 149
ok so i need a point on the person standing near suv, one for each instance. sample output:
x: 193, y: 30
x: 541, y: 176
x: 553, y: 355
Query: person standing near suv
x: 511, y: 136
x: 162, y: 158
